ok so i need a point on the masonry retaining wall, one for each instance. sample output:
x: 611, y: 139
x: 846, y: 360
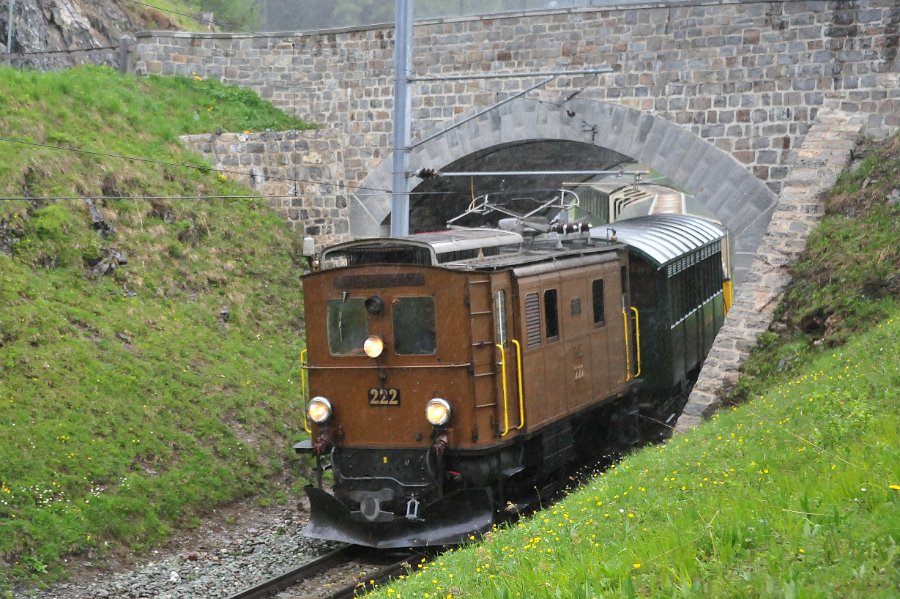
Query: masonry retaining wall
x: 300, y: 172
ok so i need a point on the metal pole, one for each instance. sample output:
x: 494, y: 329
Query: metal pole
x: 402, y: 116
x: 9, y: 33
x: 538, y: 173
x: 593, y: 71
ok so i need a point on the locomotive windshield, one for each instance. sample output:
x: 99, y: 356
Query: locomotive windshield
x: 348, y: 326
x: 414, y: 326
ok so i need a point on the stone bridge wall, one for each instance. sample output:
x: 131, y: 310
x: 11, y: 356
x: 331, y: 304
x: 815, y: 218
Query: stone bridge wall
x: 748, y: 77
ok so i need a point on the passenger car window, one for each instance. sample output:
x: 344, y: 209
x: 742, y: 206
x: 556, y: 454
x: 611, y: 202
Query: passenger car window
x: 414, y: 327
x: 347, y: 325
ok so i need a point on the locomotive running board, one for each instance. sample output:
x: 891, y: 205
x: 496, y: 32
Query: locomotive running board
x: 447, y: 521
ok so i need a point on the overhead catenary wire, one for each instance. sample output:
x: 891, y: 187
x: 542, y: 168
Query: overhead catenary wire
x: 39, y: 198
x: 46, y: 198
x: 360, y: 191
x: 198, y: 167
x: 181, y: 14
x: 65, y: 51
x: 205, y: 168
x: 142, y: 197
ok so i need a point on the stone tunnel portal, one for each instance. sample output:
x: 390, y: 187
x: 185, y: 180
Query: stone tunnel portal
x: 523, y: 135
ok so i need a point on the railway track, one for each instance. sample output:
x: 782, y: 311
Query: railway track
x: 352, y: 570
x: 341, y: 574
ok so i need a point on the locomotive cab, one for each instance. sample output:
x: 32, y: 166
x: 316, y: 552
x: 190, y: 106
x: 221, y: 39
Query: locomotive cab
x: 390, y: 366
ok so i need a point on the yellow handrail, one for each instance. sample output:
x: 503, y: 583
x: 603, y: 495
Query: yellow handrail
x: 519, y: 376
x: 505, y: 402
x: 303, y: 390
x: 728, y: 289
x: 627, y: 351
x: 637, y: 340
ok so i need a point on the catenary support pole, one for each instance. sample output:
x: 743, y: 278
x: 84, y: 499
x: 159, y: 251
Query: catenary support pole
x: 402, y: 116
x: 9, y: 33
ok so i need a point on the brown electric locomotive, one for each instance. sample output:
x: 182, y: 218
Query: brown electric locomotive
x: 451, y: 373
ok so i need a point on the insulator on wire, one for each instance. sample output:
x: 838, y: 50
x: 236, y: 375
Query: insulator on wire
x: 426, y: 173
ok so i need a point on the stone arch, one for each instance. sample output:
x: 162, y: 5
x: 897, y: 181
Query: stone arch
x: 724, y: 186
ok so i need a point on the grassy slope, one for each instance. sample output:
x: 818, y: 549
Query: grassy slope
x: 792, y: 494
x: 152, y: 14
x: 129, y: 407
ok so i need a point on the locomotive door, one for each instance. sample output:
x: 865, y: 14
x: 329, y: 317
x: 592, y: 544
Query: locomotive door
x: 554, y: 347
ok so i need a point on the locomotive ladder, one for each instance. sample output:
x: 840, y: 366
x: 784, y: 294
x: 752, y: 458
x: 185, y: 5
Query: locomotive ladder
x: 482, y: 349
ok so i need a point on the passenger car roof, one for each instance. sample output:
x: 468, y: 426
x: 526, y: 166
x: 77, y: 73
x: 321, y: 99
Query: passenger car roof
x: 662, y: 238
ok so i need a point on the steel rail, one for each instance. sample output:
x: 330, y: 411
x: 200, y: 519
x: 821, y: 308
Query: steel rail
x: 385, y: 574
x: 338, y: 557
x: 291, y: 577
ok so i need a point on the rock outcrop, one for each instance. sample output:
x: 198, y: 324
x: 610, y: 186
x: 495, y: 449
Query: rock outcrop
x: 50, y: 34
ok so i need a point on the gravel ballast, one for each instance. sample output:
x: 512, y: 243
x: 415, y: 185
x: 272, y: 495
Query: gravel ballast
x: 218, y: 560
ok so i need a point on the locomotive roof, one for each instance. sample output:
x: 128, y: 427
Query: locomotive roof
x: 434, y: 244
x: 662, y: 238
x: 539, y: 251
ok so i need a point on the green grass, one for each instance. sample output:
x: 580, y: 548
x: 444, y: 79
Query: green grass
x: 792, y: 493
x: 130, y: 407
x: 228, y: 15
x: 848, y: 277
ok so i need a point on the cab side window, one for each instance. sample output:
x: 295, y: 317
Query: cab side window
x: 551, y: 314
x: 597, y: 300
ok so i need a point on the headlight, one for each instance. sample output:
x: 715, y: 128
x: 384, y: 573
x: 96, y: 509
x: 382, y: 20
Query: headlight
x: 319, y: 409
x: 373, y: 346
x: 437, y: 411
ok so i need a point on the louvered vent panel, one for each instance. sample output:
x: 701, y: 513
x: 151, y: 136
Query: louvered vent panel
x: 533, y: 320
